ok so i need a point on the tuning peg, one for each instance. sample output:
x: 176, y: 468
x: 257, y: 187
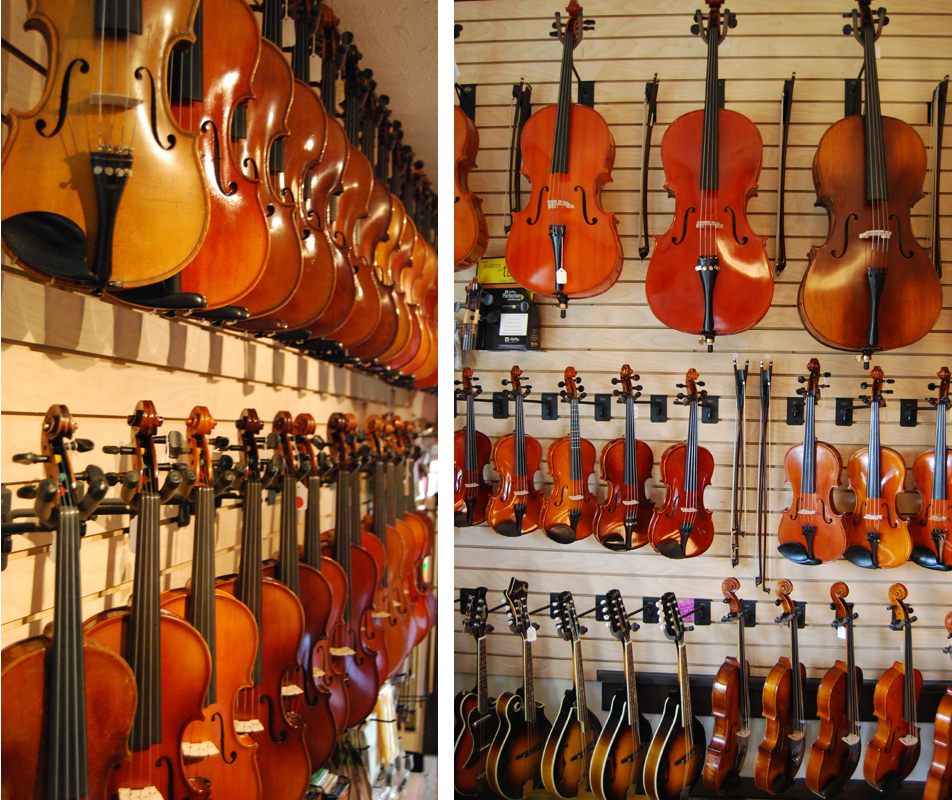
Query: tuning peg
x: 226, y: 462
x: 172, y: 483
x: 638, y: 388
x: 95, y: 491
x: 588, y: 22
x: 219, y: 442
x: 890, y: 380
x: 824, y: 386
x: 582, y: 630
x: 490, y: 628
x: 224, y: 481
x: 581, y: 388
x: 933, y: 387
x: 680, y: 395
x: 176, y: 444
x: 826, y: 374
x: 731, y: 20
x: 700, y: 383
x: 801, y: 379
x: 505, y: 382
x: 273, y: 442
x: 553, y: 34
x: 30, y: 458
x: 578, y: 380
x: 695, y: 29
x: 81, y: 445
x: 864, y: 385
x: 113, y: 450
x: 27, y: 492
x: 801, y: 391
x: 561, y: 384
x: 527, y: 388
x: 680, y: 386
x: 457, y: 383
x: 888, y: 391
x: 582, y: 396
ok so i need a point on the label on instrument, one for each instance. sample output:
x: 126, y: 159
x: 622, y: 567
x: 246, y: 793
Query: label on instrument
x: 317, y: 673
x: 841, y: 632
x: 198, y: 749
x: 133, y: 532
x: 342, y: 651
x: 561, y: 276
x: 530, y: 634
x: 291, y: 690
x: 557, y: 203
x: 380, y: 614
x: 248, y: 726
x: 513, y: 324
x: 301, y: 496
x: 493, y: 271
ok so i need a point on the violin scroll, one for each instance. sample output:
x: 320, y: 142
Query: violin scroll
x: 626, y: 377
x: 571, y: 386
x: 729, y: 588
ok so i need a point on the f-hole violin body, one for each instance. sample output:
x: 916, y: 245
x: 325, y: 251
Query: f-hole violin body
x: 610, y: 525
x: 470, y: 233
x: 772, y: 772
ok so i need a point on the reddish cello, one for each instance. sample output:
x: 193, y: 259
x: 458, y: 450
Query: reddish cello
x: 939, y: 779
x: 471, y: 450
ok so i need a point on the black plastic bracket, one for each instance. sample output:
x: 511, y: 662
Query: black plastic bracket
x: 709, y: 406
x: 749, y: 609
x: 795, y: 411
x: 586, y: 93
x: 852, y: 97
x: 500, y: 405
x: 801, y: 614
x: 467, y: 99
x: 550, y: 405
x: 603, y: 407
x: 844, y: 411
x: 659, y: 407
x: 702, y: 611
x: 909, y: 412
x: 650, y: 606
x: 7, y: 539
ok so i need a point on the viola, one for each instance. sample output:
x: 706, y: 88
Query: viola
x: 476, y: 709
x: 875, y: 535
x: 834, y: 755
x: 102, y: 150
x: 727, y: 287
x: 515, y: 755
x: 780, y: 753
x: 682, y: 527
x: 514, y: 507
x: 471, y: 450
x: 470, y: 232
x: 730, y: 703
x: 931, y: 529
x: 171, y: 690
x: 228, y: 627
x: 67, y: 721
x: 738, y: 473
x: 621, y: 522
x: 619, y: 756
x: 811, y: 530
x: 870, y: 286
x: 675, y: 756
x: 567, y: 155
x: 568, y: 511
x: 893, y: 751
x: 567, y: 755
x: 939, y: 778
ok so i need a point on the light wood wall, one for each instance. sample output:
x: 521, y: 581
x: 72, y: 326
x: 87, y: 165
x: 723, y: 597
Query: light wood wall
x: 505, y: 40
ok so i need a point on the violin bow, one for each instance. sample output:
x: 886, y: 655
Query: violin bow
x: 739, y: 482
x: 765, y: 378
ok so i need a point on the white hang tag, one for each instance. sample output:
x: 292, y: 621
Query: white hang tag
x: 879, y: 52
x: 531, y: 634
x: 841, y: 632
x: 288, y: 37
x: 561, y: 276
x: 301, y: 496
x: 133, y: 534
x: 455, y: 72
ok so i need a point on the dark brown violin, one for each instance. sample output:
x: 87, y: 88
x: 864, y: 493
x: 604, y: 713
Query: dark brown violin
x: 939, y: 780
x: 811, y: 531
x: 893, y: 751
x: 171, y: 689
x: 780, y: 754
x: 730, y: 704
x: 709, y: 273
x: 514, y: 507
x: 470, y: 232
x: 621, y: 522
x: 567, y: 155
x: 682, y: 527
x: 931, y: 528
x: 870, y: 286
x: 569, y: 509
x: 68, y: 701
x: 471, y: 451
x: 834, y: 755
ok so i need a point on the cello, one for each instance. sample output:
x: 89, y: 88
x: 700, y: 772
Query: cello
x: 780, y: 753
x: 568, y: 511
x: 870, y: 286
x: 471, y: 450
x: 939, y: 779
x: 514, y: 507
x: 730, y: 703
x: 811, y: 530
x: 567, y: 155
x: 875, y: 534
x: 893, y: 751
x: 834, y: 755
x: 682, y: 527
x: 712, y: 161
x: 70, y: 702
x: 931, y: 529
x: 171, y: 689
x: 621, y: 522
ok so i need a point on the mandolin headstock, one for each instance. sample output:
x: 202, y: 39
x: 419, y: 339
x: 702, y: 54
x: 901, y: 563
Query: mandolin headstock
x: 674, y: 627
x: 477, y: 614
x: 566, y: 618
x: 613, y: 611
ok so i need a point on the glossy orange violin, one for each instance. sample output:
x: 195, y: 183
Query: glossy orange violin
x: 939, y: 780
x: 471, y: 450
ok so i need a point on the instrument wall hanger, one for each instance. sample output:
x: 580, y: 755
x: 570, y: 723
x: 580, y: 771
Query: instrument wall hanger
x: 846, y: 405
x: 909, y: 409
x: 701, y: 612
x: 466, y: 92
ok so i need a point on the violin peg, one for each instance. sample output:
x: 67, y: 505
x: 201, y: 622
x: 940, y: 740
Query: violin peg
x: 553, y: 34
x: 172, y: 483
x: 933, y: 387
x: 226, y: 462
x: 847, y: 29
x: 827, y: 374
x: 219, y: 442
x: 582, y: 396
x: 695, y: 29
x: 114, y: 450
x: 505, y: 382
x: 801, y: 391
x: 82, y: 445
x: 588, y: 22
x: 890, y: 380
x: 561, y: 384
x: 824, y: 386
x: 578, y: 380
x: 801, y: 379
x: 699, y: 383
x: 617, y: 380
x: 176, y: 444
x: 680, y: 385
x: 30, y: 458
x: 27, y: 492
x: 639, y: 388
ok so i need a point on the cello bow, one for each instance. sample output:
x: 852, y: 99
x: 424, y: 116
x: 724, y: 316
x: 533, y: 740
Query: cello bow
x: 786, y: 103
x: 647, y: 125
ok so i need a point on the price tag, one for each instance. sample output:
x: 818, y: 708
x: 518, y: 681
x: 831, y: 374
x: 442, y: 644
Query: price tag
x: 531, y: 634
x: 301, y: 496
x: 841, y: 632
x: 879, y: 52
x: 133, y: 533
x: 561, y: 276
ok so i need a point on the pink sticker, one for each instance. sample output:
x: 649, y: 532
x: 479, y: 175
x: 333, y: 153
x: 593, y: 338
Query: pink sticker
x: 686, y: 607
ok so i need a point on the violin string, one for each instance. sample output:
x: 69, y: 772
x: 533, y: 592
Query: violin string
x: 127, y: 93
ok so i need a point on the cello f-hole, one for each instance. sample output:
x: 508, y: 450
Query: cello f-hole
x: 846, y: 237
x: 902, y: 252
x: 684, y: 230
x: 538, y: 207
x: 153, y: 110
x: 64, y: 99
x: 585, y: 207
x: 734, y: 225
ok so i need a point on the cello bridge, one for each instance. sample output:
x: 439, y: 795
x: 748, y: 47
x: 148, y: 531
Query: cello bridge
x: 709, y: 223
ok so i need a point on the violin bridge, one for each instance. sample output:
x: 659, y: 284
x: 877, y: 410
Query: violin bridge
x: 291, y: 690
x: 557, y: 203
x: 876, y: 234
x: 120, y: 101
x: 198, y: 750
x: 909, y: 740
x: 248, y: 726
x: 743, y: 733
x: 709, y: 223
x: 796, y: 736
x: 148, y: 793
x: 850, y: 739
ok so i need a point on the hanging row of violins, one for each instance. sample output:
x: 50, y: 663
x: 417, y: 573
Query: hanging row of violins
x: 509, y: 746
x: 233, y: 686
x: 811, y: 530
x: 176, y: 162
x: 869, y: 287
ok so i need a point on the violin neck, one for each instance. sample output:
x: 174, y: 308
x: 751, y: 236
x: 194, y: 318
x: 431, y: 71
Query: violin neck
x: 575, y: 442
x: 909, y: 680
x: 876, y: 182
x: 852, y: 690
x: 470, y: 437
x: 796, y: 685
x: 631, y: 444
x: 563, y: 112
x: 808, y: 476
x: 691, y: 454
x: 201, y: 605
x: 709, y: 160
x: 380, y: 511
x: 288, y: 562
x: 300, y: 57
x: 392, y: 515
x: 342, y: 536
x: 271, y: 22
x: 249, y: 585
x: 939, y: 479
x: 520, y: 438
x: 874, y: 470
x: 742, y: 663
x: 312, y: 523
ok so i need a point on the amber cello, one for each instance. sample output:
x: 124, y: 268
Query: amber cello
x: 931, y: 528
x: 893, y: 751
x: 939, y: 780
x: 567, y: 155
x: 69, y: 702
x: 834, y: 755
x: 471, y: 449
x: 709, y: 273
x: 870, y: 286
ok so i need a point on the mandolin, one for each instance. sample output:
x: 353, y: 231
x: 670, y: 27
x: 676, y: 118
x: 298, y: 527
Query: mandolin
x: 567, y: 755
x: 471, y: 450
x: 939, y: 779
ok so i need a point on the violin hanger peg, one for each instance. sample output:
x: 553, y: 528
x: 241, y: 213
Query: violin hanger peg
x: 172, y: 484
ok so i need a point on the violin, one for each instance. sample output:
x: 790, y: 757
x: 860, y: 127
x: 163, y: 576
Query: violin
x: 931, y: 529
x: 101, y: 150
x: 228, y: 627
x: 621, y: 522
x: 567, y: 155
x: 67, y: 721
x: 476, y: 709
x: 171, y: 690
x: 811, y: 530
x: 730, y: 704
x: 859, y: 292
x: 675, y: 756
x: 619, y: 756
x: 471, y: 451
x: 470, y: 232
x: 682, y: 527
x: 727, y: 288
x: 875, y: 535
x: 780, y: 754
x: 514, y: 507
x: 568, y: 511
x: 939, y: 778
x: 567, y: 755
x: 515, y: 755
x: 426, y: 293
x: 893, y: 751
x: 834, y: 755
x: 393, y: 256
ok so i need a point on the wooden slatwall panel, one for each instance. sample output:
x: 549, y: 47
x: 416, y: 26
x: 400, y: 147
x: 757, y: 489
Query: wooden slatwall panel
x: 505, y: 40
x: 100, y: 360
